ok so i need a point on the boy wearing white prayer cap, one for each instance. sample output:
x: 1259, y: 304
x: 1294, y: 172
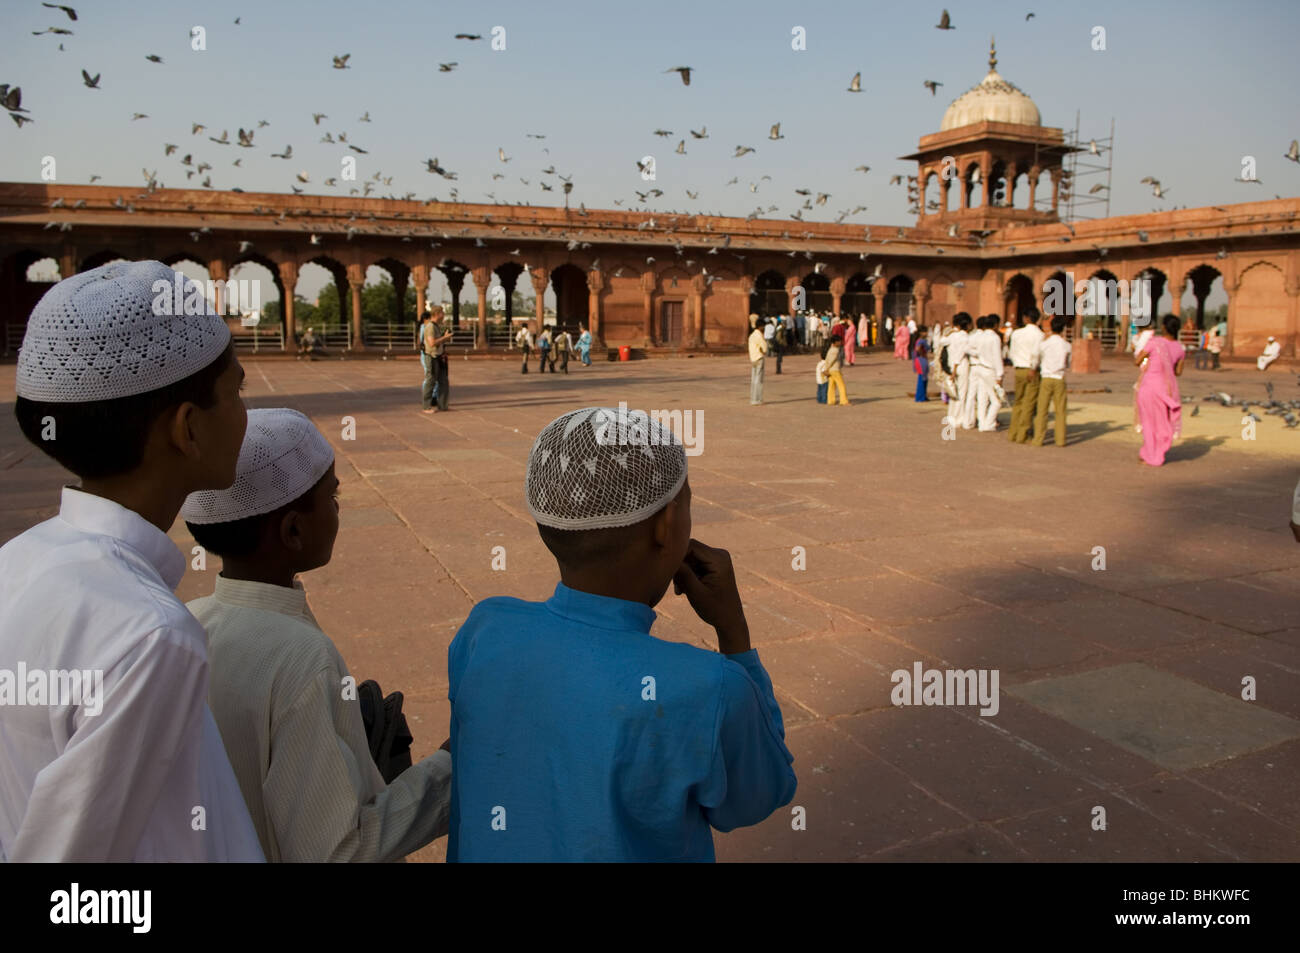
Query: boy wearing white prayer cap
x: 137, y: 393
x: 577, y: 735
x: 281, y: 694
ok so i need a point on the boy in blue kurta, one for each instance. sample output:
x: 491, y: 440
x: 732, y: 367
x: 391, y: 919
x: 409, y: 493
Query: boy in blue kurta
x: 576, y: 734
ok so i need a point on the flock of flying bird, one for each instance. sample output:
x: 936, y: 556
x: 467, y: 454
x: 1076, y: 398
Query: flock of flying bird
x: 194, y: 166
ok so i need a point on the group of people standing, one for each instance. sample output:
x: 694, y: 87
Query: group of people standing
x: 971, y: 365
x: 552, y: 345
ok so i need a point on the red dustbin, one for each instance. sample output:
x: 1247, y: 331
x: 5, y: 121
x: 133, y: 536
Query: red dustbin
x: 625, y: 353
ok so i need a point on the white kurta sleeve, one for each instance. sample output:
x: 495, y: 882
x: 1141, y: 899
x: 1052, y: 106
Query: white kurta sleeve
x: 318, y: 789
x: 94, y: 801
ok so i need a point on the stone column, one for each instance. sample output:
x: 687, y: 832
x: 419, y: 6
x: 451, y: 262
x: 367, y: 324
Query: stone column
x: 837, y: 294
x: 482, y: 275
x: 420, y: 275
x: 595, y: 285
x: 541, y: 278
x: 695, y: 332
x: 1056, y: 190
x: 920, y: 295
x: 289, y: 279
x: 1013, y: 170
x: 944, y: 185
x: 217, y: 273
x: 792, y: 282
x: 455, y: 282
x: 648, y: 283
x: 986, y: 181
x: 878, y: 295
x: 356, y: 280
x: 67, y: 262
x: 1034, y: 173
x: 401, y: 281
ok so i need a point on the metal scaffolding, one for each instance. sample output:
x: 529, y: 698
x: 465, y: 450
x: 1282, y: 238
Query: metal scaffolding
x: 1085, y: 177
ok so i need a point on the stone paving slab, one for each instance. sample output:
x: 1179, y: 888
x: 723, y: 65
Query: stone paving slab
x: 1171, y: 721
x: 965, y: 553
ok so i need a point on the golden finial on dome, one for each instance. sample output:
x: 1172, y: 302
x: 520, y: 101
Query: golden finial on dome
x: 993, y: 55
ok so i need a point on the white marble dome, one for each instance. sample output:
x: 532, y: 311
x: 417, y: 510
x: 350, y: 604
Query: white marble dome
x: 993, y: 99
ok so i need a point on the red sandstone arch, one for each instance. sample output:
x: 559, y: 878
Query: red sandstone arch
x: 1018, y: 296
x: 1253, y: 314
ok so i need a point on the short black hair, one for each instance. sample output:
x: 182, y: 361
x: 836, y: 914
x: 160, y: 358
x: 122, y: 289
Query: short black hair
x: 242, y: 537
x: 1030, y: 315
x: 1058, y: 323
x: 578, y: 548
x: 106, y: 438
x: 1172, y: 325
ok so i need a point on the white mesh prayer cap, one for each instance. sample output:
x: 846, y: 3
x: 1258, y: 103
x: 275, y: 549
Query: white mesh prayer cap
x: 283, y: 457
x: 601, y: 467
x: 116, y: 331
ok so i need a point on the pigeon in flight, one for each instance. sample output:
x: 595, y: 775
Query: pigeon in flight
x: 855, y: 85
x: 92, y: 82
x: 742, y: 150
x: 286, y: 154
x: 945, y: 22
x: 246, y: 138
x: 684, y: 71
x: 224, y: 140
x: 341, y: 62
x: 775, y: 132
x: 702, y: 134
x: 72, y: 14
x: 468, y: 36
x: 447, y: 67
x: 1294, y: 152
x: 931, y: 85
x: 154, y: 58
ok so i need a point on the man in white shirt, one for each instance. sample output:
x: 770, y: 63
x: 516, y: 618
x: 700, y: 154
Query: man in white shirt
x: 524, y: 341
x: 128, y: 765
x: 1053, y: 358
x: 1271, y: 351
x: 1025, y: 342
x: 962, y: 411
x: 757, y: 355
x: 280, y: 692
x: 985, y: 351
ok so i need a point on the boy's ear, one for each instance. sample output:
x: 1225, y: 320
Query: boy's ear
x: 663, y: 524
x: 291, y: 531
x: 178, y: 425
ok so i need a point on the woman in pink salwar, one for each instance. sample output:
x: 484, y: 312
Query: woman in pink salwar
x: 901, y: 336
x: 1159, y: 403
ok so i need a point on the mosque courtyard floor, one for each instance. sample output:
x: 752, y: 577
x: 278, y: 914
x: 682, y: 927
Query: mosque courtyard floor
x: 1143, y: 624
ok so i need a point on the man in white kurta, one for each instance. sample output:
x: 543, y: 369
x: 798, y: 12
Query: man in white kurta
x: 145, y: 778
x: 985, y: 350
x: 296, y: 739
x: 963, y: 410
x: 1271, y: 351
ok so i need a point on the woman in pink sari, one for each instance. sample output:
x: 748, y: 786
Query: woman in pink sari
x: 864, y: 331
x: 847, y: 325
x: 901, y: 336
x: 1159, y: 403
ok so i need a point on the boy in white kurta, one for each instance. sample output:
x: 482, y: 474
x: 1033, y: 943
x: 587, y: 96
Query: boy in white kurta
x: 282, y: 696
x: 127, y: 378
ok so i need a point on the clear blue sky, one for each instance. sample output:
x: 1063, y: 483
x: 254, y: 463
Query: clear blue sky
x: 1192, y: 86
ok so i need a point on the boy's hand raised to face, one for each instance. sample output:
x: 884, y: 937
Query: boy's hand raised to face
x: 708, y: 581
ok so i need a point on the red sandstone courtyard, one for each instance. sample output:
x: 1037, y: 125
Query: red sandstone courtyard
x: 1120, y: 688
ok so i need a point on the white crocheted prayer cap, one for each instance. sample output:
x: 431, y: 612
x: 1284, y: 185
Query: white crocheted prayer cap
x: 283, y: 457
x: 107, y: 333
x: 601, y: 467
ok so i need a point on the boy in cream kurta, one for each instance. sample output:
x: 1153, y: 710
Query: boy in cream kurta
x: 280, y: 692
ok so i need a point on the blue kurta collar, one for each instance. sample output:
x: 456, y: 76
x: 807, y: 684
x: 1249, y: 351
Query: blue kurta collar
x: 601, y: 612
